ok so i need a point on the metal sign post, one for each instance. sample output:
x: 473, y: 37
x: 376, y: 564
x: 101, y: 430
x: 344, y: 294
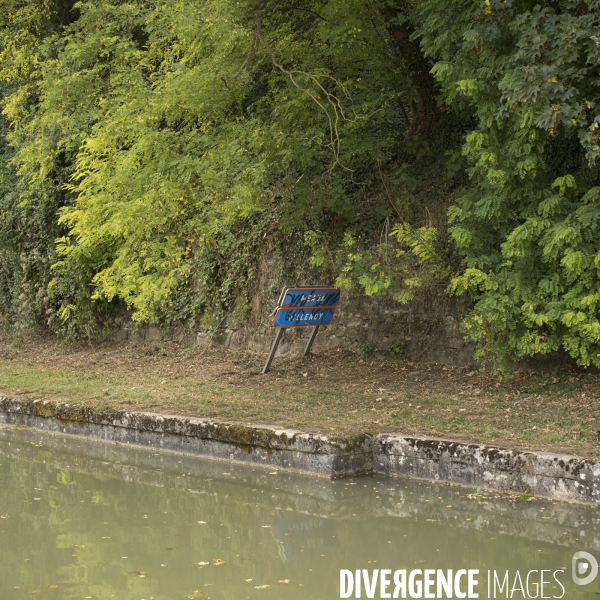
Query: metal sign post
x: 303, y: 307
x: 311, y: 339
x: 273, y: 350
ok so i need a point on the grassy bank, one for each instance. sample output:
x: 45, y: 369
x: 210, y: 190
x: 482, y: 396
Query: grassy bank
x: 334, y: 393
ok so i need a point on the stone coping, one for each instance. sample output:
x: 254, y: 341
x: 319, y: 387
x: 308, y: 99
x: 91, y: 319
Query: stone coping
x: 556, y: 476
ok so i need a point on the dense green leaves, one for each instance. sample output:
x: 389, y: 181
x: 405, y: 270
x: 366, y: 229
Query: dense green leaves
x: 155, y: 150
x: 176, y: 127
x: 527, y: 226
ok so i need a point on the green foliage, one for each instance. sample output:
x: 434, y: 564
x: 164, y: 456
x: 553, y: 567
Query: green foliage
x: 28, y: 224
x: 154, y: 151
x: 403, y: 260
x: 527, y: 224
x: 175, y: 128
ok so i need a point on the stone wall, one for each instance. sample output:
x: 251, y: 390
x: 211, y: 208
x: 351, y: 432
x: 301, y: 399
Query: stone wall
x: 556, y: 476
x: 425, y: 330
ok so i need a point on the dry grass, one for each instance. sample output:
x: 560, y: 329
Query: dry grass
x: 335, y: 393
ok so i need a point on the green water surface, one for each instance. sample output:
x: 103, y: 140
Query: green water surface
x: 83, y: 519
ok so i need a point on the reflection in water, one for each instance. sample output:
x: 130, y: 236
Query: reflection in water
x: 90, y: 520
x: 298, y: 538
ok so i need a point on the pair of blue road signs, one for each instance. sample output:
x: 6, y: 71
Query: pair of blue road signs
x: 303, y: 307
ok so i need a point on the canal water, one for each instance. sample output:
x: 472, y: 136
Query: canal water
x: 82, y: 519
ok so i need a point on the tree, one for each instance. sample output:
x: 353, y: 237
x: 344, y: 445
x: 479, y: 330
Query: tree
x: 527, y: 224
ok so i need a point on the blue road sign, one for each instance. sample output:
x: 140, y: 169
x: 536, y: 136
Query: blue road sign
x: 303, y: 307
x: 303, y: 317
x: 308, y: 297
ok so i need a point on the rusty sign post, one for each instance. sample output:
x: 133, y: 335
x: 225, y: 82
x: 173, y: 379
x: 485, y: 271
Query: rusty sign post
x: 303, y: 307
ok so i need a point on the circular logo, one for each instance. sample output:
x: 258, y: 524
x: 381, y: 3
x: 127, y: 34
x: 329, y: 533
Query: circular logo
x: 585, y: 568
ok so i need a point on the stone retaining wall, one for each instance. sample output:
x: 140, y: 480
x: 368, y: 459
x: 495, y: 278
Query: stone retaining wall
x: 426, y: 329
x: 490, y: 514
x: 555, y: 476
